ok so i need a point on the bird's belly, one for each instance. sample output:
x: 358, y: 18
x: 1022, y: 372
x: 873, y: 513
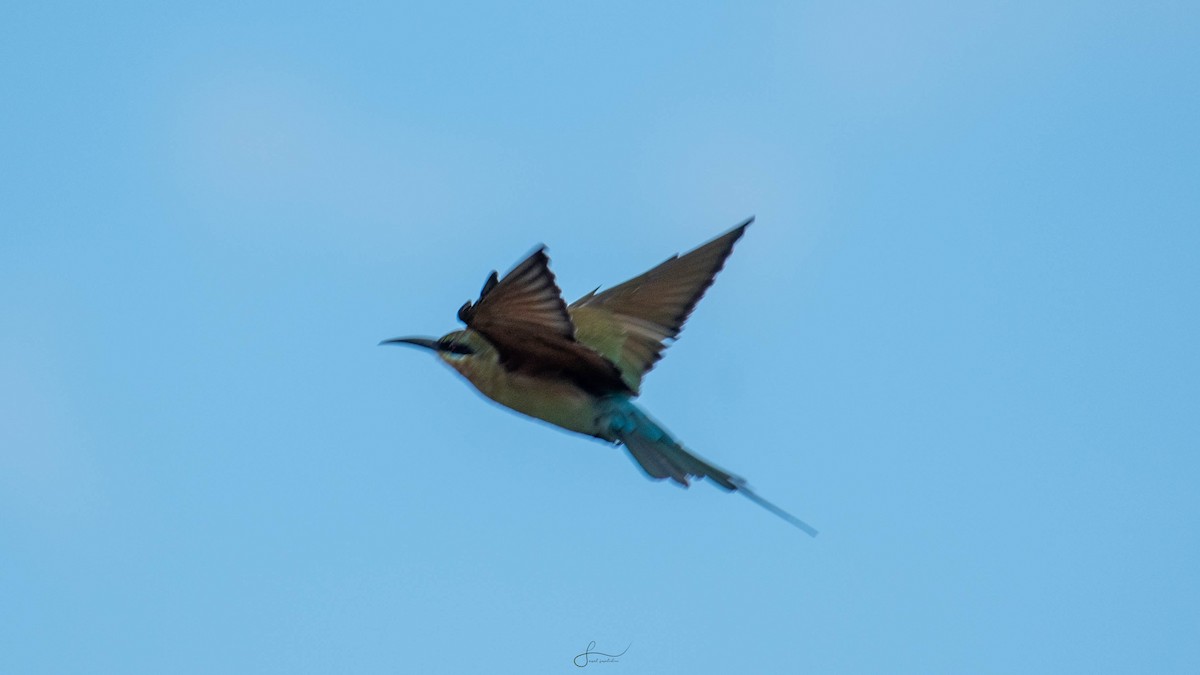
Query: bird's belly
x: 555, y: 401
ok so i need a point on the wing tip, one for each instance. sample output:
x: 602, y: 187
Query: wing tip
x: 738, y: 230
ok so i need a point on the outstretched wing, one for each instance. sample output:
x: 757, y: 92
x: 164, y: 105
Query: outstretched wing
x: 524, y: 317
x: 525, y: 300
x: 631, y: 323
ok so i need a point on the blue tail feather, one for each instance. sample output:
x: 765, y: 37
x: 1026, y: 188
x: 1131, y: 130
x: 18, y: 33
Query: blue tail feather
x: 661, y: 456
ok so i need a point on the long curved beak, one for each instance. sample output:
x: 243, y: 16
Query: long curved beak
x: 415, y: 341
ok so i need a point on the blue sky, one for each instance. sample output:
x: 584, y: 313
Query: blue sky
x: 960, y: 338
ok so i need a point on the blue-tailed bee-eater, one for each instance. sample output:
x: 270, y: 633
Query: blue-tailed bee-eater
x: 580, y: 366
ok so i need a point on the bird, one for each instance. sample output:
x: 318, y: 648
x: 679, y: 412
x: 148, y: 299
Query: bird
x: 579, y: 367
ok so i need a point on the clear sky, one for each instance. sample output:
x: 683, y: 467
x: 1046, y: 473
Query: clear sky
x: 961, y: 338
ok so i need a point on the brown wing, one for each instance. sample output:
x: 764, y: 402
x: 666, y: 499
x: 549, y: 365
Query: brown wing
x: 650, y: 309
x: 524, y: 317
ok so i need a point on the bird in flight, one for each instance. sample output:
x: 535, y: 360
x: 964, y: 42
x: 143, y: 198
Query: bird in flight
x: 580, y: 366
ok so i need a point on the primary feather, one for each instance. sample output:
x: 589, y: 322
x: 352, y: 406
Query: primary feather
x: 524, y: 317
x: 633, y: 322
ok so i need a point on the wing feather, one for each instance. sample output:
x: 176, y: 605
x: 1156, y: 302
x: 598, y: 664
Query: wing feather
x: 524, y: 317
x: 633, y: 322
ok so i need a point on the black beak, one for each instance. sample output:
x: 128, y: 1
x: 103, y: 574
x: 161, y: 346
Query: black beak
x: 439, y: 346
x: 419, y: 342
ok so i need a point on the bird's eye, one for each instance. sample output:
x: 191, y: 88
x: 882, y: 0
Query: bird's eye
x: 455, y: 348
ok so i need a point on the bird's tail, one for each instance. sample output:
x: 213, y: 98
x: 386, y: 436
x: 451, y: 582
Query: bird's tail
x: 661, y: 456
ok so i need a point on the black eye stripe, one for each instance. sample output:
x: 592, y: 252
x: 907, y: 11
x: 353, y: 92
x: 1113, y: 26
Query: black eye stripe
x: 454, y: 347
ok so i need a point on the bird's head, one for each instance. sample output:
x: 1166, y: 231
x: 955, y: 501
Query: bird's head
x: 464, y: 350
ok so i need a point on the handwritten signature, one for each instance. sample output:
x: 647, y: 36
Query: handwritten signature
x: 588, y: 653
